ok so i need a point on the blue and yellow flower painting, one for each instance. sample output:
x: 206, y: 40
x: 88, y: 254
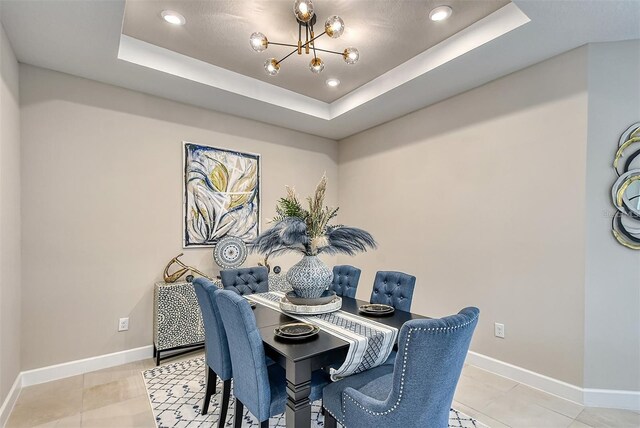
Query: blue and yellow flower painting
x: 221, y: 195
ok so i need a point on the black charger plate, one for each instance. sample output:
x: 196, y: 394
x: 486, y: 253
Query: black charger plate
x: 376, y: 310
x: 296, y: 331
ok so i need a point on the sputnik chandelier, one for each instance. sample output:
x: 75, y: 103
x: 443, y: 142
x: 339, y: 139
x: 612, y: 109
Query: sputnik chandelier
x: 303, y: 11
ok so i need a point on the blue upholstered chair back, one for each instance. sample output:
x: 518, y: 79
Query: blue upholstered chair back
x: 345, y: 280
x: 246, y: 280
x: 250, y: 377
x: 215, y: 342
x: 393, y: 288
x: 431, y: 354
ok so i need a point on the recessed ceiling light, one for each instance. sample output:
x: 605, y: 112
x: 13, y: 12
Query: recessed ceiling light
x: 333, y: 82
x: 173, y: 17
x: 440, y: 13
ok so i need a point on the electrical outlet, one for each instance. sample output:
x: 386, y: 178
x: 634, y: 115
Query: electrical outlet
x: 123, y: 324
x: 499, y: 330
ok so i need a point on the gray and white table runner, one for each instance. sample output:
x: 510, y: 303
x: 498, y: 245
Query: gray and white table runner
x: 370, y: 342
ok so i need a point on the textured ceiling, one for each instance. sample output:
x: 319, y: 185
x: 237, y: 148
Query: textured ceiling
x: 386, y: 32
x: 84, y: 38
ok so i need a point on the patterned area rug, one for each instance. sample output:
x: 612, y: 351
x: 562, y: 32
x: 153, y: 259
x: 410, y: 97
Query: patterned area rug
x: 176, y: 392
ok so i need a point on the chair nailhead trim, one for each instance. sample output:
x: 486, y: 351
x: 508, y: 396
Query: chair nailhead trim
x: 404, y: 365
x: 334, y: 416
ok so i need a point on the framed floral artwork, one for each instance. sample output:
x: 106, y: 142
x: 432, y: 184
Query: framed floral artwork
x: 221, y: 195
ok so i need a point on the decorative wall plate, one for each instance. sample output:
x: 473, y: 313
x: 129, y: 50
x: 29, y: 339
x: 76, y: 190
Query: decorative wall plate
x: 625, y: 193
x: 628, y: 155
x: 230, y: 252
x: 626, y: 234
x: 628, y: 134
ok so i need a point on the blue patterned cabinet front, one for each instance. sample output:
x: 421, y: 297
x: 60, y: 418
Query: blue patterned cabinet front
x: 177, y: 320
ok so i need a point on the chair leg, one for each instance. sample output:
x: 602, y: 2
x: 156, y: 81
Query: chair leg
x: 329, y: 420
x: 239, y: 411
x: 210, y: 389
x: 226, y: 392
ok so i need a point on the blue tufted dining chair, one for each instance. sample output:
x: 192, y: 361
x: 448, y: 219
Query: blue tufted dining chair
x: 261, y: 388
x: 418, y: 390
x: 246, y: 280
x: 393, y: 288
x: 216, y: 347
x: 345, y: 280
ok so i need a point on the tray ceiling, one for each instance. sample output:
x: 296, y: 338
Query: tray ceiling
x: 387, y: 33
x: 84, y: 38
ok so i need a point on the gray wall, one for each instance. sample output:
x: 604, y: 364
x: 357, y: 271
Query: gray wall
x: 9, y: 218
x: 612, y: 293
x: 482, y: 198
x: 102, y: 204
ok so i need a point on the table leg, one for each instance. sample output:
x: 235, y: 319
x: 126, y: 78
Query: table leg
x: 298, y: 413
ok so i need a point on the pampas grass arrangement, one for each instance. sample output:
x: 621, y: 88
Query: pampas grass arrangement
x: 307, y: 230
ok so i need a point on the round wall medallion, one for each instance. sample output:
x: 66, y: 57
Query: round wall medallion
x: 628, y: 154
x: 625, y: 193
x: 230, y: 252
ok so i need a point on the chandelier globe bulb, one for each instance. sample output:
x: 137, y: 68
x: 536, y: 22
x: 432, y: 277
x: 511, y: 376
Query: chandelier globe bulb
x: 316, y: 65
x: 272, y: 66
x: 351, y: 55
x: 258, y: 42
x: 334, y: 26
x: 303, y: 10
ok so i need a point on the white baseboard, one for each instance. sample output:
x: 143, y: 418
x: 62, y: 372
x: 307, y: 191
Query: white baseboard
x: 612, y: 398
x: 10, y: 401
x: 73, y: 368
x: 629, y: 400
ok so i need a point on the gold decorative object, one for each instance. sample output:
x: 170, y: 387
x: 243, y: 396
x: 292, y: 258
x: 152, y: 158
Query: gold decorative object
x: 182, y: 270
x: 265, y: 262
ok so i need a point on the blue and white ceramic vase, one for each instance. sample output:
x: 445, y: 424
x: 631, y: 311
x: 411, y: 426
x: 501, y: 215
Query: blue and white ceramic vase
x: 309, y: 278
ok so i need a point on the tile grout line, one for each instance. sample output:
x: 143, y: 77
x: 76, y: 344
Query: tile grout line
x: 82, y: 403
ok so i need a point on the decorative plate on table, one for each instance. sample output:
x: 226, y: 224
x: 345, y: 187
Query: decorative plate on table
x: 332, y: 306
x: 376, y: 310
x: 325, y: 298
x: 296, y: 331
x: 230, y: 252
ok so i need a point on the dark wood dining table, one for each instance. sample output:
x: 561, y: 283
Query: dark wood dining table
x: 300, y: 359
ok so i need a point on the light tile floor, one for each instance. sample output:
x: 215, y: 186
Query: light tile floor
x: 116, y: 397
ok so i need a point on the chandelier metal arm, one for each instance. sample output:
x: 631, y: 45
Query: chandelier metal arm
x: 284, y: 44
x: 305, y: 45
x: 313, y: 45
x: 288, y: 55
x: 333, y: 52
